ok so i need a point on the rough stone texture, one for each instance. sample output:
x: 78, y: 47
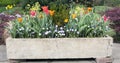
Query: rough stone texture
x: 3, y: 56
x: 59, y: 48
x: 116, y: 53
x: 116, y: 56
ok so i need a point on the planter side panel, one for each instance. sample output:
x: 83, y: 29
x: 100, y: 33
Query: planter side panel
x: 58, y: 48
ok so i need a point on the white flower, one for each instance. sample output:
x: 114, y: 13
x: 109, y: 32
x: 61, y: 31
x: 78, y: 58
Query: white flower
x: 78, y: 32
x: 39, y: 34
x: 18, y: 15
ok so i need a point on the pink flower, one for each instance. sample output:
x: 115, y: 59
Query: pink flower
x: 105, y: 18
x: 45, y: 9
x: 32, y: 13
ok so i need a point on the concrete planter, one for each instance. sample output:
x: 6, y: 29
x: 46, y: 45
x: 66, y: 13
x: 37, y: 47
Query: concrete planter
x: 59, y: 48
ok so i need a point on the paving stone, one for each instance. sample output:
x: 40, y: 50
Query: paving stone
x: 4, y: 62
x: 116, y: 51
x: 3, y: 56
x: 116, y: 61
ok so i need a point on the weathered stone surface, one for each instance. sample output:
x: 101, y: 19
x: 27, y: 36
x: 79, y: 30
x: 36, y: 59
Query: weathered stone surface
x: 56, y: 48
x: 3, y: 56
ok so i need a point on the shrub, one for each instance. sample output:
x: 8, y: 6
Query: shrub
x: 114, y: 16
x: 6, y: 2
x: 112, y: 2
x: 3, y: 23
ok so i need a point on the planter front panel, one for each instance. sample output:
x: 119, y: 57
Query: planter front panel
x: 59, y: 48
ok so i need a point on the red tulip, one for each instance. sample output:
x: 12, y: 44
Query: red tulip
x: 45, y: 9
x: 105, y: 18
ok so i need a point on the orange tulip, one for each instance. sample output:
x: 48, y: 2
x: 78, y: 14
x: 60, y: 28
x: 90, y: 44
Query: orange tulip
x: 89, y: 9
x: 19, y: 19
x: 52, y: 12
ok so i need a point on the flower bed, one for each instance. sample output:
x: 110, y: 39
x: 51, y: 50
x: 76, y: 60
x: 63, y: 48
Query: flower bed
x: 60, y: 22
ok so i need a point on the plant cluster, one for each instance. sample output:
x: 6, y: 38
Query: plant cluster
x: 114, y: 16
x: 76, y: 21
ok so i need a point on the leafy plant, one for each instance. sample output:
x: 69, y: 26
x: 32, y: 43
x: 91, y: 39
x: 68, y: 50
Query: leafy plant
x: 90, y: 25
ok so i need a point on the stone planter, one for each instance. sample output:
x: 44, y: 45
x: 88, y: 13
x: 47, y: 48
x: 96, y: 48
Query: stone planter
x: 59, y: 48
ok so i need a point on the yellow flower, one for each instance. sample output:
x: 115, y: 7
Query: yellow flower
x: 89, y: 9
x: 73, y: 16
x: 9, y: 7
x: 52, y: 12
x: 66, y: 20
x: 19, y: 19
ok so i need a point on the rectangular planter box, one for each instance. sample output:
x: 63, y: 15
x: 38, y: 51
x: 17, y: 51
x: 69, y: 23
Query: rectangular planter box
x: 59, y: 48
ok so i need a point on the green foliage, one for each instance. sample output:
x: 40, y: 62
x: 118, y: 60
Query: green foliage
x: 112, y: 2
x: 7, y: 2
x: 101, y: 9
x: 14, y: 11
x: 2, y: 9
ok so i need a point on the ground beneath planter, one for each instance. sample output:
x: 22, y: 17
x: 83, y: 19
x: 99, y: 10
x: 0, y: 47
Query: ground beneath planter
x: 116, y: 57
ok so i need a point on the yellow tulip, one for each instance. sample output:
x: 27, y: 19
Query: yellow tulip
x: 73, y: 16
x: 9, y: 7
x: 40, y: 16
x: 66, y: 20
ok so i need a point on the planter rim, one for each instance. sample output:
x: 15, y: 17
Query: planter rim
x: 108, y: 37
